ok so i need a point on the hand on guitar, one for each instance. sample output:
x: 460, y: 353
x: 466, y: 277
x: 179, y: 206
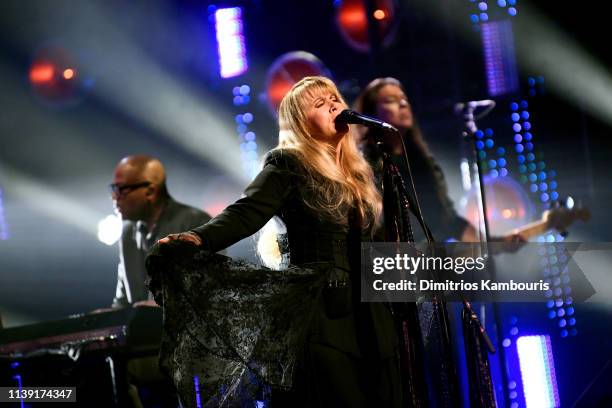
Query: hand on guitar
x: 510, y: 242
x: 558, y: 218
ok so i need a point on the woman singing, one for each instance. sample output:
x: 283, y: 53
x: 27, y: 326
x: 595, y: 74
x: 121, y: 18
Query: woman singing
x: 318, y: 183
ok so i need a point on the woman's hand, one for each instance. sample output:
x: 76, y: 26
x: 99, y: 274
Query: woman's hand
x: 189, y: 237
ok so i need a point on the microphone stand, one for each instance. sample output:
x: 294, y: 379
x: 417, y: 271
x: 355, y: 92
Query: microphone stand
x: 397, y: 204
x: 479, y: 371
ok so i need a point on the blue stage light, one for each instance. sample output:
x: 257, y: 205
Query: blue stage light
x: 245, y: 90
x: 538, y: 371
x: 230, y: 42
x: 247, y: 117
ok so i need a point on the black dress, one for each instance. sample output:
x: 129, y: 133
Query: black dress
x: 298, y: 337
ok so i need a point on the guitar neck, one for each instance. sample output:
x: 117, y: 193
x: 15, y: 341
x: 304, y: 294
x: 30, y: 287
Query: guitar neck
x: 532, y: 229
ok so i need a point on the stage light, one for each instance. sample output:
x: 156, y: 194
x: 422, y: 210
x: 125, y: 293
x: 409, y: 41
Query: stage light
x: 288, y: 69
x: 244, y: 90
x: 230, y: 42
x: 499, y: 58
x: 352, y: 22
x: 68, y: 73
x: 379, y: 14
x: 41, y: 72
x: 247, y: 117
x: 109, y: 229
x: 538, y: 371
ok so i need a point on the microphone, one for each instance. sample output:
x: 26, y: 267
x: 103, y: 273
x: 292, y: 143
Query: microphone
x: 471, y: 105
x: 348, y: 116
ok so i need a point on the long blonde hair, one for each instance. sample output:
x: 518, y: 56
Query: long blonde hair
x: 339, y: 176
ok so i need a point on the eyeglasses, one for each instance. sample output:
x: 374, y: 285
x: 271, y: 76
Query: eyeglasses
x: 123, y: 189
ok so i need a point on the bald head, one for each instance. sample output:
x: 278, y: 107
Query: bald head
x: 145, y: 168
x: 144, y: 192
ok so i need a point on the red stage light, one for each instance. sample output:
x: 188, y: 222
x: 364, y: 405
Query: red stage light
x: 41, y: 72
x: 352, y: 20
x: 287, y: 70
x: 53, y: 76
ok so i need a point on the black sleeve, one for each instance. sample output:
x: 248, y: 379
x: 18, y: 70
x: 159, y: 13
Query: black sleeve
x: 263, y: 198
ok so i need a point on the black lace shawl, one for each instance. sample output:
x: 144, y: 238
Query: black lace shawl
x: 231, y: 330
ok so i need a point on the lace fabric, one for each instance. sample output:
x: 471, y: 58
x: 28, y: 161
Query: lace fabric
x: 232, y: 330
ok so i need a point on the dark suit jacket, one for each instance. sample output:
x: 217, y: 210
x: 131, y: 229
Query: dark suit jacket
x: 133, y: 248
